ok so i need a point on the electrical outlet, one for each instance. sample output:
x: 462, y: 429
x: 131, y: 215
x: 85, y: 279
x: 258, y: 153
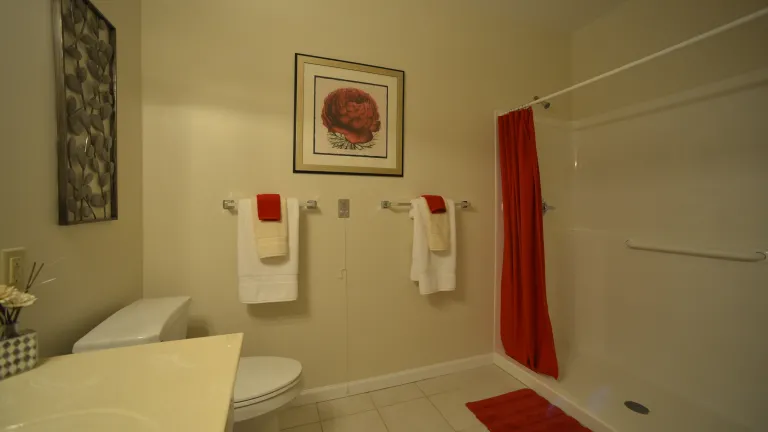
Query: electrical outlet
x: 12, y: 263
x: 15, y: 270
x: 343, y: 208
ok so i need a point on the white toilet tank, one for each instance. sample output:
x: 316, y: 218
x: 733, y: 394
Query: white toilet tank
x: 141, y: 322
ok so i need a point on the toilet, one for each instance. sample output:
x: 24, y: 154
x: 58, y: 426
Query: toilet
x: 263, y: 384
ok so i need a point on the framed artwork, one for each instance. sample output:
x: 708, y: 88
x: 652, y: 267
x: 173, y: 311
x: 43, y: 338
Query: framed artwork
x: 85, y: 53
x: 348, y: 118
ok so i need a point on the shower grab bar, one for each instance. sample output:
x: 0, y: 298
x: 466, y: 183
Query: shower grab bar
x: 232, y: 204
x: 390, y: 204
x: 546, y: 207
x: 732, y: 256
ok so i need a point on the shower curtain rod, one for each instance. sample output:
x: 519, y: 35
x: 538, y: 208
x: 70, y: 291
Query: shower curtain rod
x: 691, y: 41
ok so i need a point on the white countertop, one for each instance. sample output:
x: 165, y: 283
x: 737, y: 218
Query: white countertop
x: 182, y: 385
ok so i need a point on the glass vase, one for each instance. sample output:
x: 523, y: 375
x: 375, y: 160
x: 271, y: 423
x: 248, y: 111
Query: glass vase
x: 8, y: 331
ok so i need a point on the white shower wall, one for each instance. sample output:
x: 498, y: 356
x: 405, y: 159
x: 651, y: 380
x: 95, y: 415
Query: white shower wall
x: 688, y: 174
x: 683, y: 335
x: 671, y: 153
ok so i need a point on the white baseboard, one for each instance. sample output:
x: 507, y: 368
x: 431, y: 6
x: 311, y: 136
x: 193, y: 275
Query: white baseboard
x: 547, y: 388
x: 418, y: 374
x: 319, y: 394
x: 366, y: 385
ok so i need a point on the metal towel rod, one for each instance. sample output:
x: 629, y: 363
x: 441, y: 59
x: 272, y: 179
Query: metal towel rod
x: 390, y: 204
x: 732, y: 256
x: 232, y: 204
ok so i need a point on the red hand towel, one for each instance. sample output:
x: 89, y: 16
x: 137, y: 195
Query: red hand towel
x: 268, y: 206
x: 436, y: 203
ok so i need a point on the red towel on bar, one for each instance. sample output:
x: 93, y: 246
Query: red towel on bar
x: 436, y: 203
x: 268, y: 206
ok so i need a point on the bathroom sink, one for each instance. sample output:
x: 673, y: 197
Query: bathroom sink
x: 92, y: 420
x: 183, y: 385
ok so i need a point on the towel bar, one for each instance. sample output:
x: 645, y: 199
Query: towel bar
x: 232, y: 204
x: 390, y: 204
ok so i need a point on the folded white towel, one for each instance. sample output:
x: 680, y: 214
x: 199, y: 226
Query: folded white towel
x: 433, y: 270
x: 438, y: 229
x: 271, y: 236
x: 271, y: 279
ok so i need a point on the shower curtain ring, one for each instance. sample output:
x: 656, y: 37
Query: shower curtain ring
x: 545, y: 104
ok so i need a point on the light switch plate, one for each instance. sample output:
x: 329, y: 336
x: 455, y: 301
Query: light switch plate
x: 9, y: 257
x: 343, y: 208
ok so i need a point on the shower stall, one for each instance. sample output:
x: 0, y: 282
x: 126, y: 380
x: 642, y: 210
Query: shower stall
x: 657, y: 279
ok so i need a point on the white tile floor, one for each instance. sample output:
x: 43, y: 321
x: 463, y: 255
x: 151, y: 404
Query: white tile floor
x: 433, y: 405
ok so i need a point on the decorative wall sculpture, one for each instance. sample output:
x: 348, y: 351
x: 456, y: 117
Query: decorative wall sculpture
x: 86, y: 93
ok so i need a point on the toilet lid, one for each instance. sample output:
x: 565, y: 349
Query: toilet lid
x: 258, y: 376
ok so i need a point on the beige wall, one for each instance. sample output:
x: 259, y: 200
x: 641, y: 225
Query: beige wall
x: 672, y: 153
x: 98, y: 266
x: 637, y: 28
x: 218, y: 114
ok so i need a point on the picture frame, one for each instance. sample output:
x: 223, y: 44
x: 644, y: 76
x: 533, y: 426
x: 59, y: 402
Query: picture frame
x: 348, y: 118
x: 85, y: 60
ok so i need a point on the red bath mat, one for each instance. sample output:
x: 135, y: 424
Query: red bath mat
x: 523, y: 411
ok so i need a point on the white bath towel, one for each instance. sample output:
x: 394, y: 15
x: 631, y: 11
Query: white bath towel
x: 433, y: 270
x: 271, y: 236
x: 438, y: 230
x: 271, y: 279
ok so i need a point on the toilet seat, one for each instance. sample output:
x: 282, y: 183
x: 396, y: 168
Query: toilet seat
x: 263, y: 384
x: 252, y: 401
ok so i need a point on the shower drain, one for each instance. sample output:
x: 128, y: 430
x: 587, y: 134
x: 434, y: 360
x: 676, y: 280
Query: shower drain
x: 637, y: 407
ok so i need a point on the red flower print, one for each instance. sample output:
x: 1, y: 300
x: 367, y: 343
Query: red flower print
x: 353, y: 113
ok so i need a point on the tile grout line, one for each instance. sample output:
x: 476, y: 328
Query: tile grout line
x: 381, y: 417
x: 378, y: 409
x: 319, y: 420
x: 441, y: 414
x: 424, y: 396
x: 427, y: 397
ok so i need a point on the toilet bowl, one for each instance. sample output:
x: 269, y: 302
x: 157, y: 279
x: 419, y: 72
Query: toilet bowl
x: 262, y: 386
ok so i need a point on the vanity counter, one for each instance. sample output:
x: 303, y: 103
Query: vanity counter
x: 183, y: 385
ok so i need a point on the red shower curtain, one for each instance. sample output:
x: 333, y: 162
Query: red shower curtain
x: 526, y: 331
